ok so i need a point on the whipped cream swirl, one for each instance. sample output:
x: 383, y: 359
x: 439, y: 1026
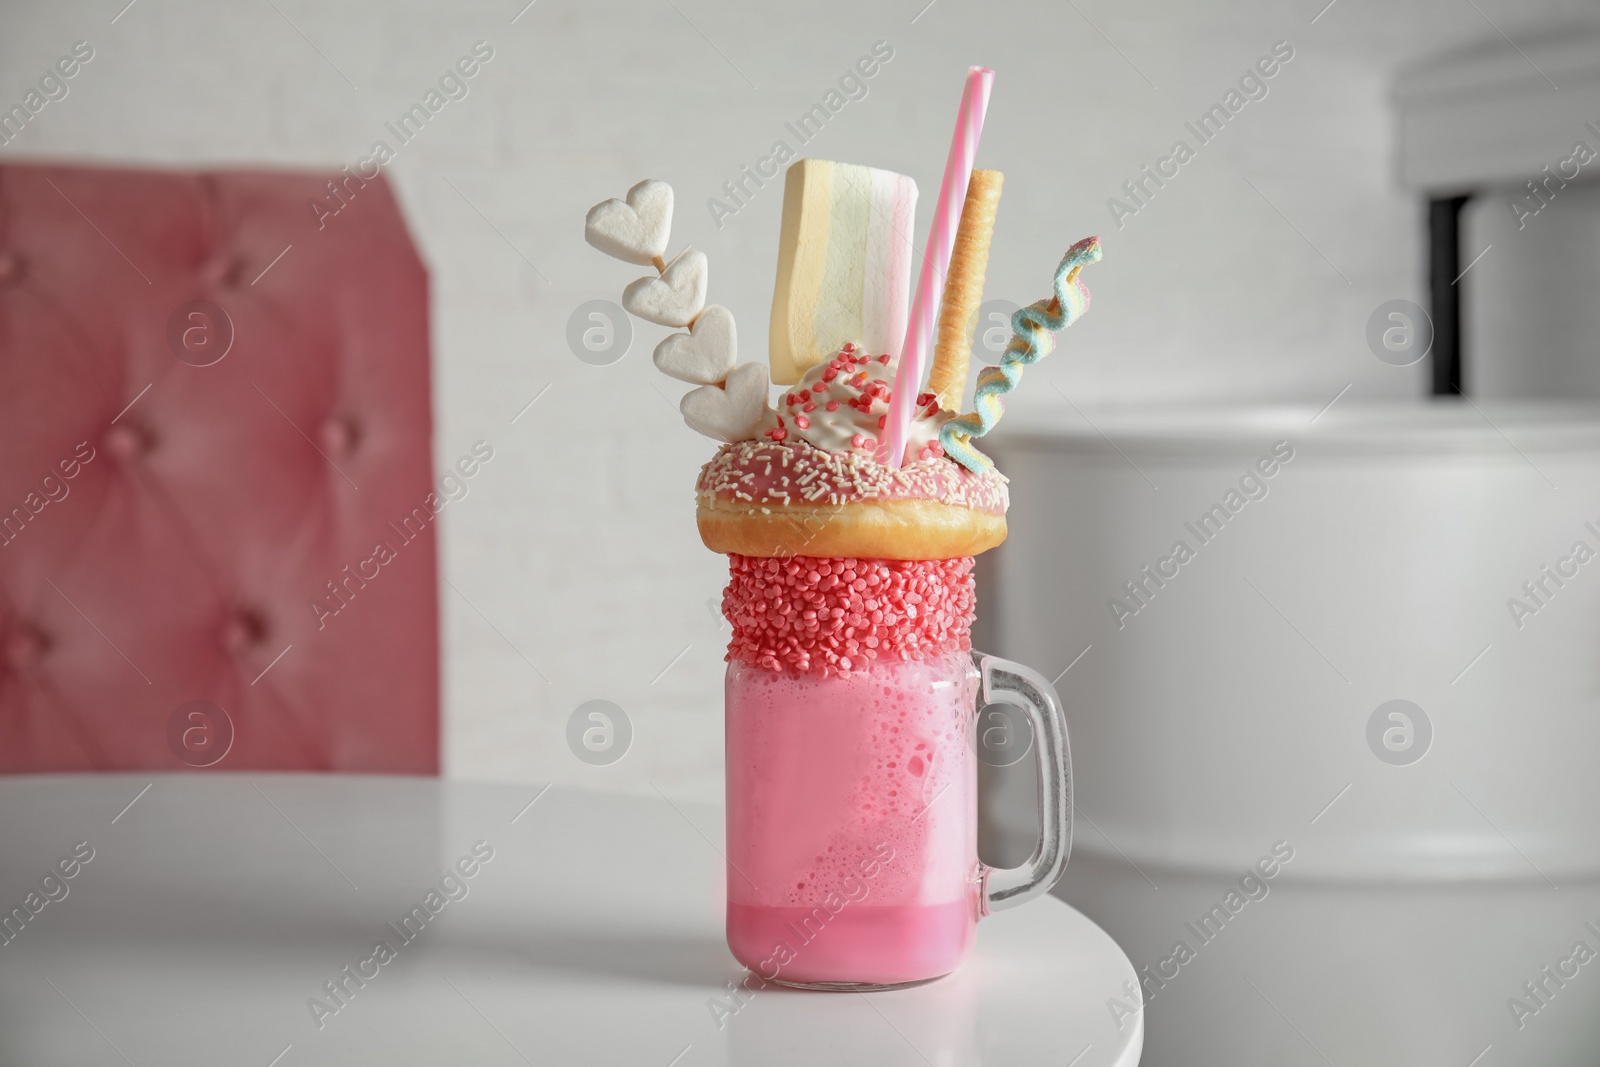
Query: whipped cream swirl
x: 842, y: 405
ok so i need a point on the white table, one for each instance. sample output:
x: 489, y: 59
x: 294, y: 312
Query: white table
x: 216, y: 906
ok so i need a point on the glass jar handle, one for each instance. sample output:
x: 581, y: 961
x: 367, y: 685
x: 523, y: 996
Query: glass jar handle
x: 1005, y: 682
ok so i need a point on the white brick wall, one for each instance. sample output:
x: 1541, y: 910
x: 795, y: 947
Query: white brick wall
x: 578, y: 540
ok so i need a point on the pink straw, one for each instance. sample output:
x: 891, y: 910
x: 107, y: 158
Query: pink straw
x: 930, y: 283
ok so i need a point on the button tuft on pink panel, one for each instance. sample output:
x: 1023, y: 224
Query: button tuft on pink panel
x: 24, y: 648
x: 127, y: 441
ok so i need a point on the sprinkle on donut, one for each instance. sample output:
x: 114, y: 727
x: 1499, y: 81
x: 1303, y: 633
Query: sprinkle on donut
x: 787, y: 471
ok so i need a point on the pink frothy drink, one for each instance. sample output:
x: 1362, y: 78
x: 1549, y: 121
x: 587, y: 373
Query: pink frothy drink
x: 850, y: 508
x: 852, y: 828
x: 851, y: 776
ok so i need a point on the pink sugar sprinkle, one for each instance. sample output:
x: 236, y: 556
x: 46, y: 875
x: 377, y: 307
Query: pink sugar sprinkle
x: 832, y: 616
x: 832, y: 405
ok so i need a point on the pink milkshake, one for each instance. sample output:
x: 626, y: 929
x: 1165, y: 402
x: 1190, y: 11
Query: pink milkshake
x: 851, y: 506
x: 852, y: 836
x: 852, y: 828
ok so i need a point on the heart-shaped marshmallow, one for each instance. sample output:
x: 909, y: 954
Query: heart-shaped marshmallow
x: 675, y: 298
x: 730, y: 412
x: 705, y: 354
x: 635, y: 230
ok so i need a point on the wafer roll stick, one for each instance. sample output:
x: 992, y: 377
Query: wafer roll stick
x: 963, y: 288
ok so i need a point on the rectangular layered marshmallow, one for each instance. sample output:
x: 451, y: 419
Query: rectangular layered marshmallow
x: 844, y: 264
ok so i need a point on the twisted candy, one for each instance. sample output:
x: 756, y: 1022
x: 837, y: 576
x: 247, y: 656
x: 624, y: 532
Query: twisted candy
x: 1032, y: 329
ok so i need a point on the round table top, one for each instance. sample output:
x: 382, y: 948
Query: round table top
x: 207, y: 917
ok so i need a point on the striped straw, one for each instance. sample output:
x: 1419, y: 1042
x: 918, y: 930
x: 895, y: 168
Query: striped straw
x: 913, y: 365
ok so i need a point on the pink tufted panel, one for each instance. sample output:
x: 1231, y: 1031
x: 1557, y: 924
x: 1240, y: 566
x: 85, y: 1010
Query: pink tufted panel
x: 209, y: 505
